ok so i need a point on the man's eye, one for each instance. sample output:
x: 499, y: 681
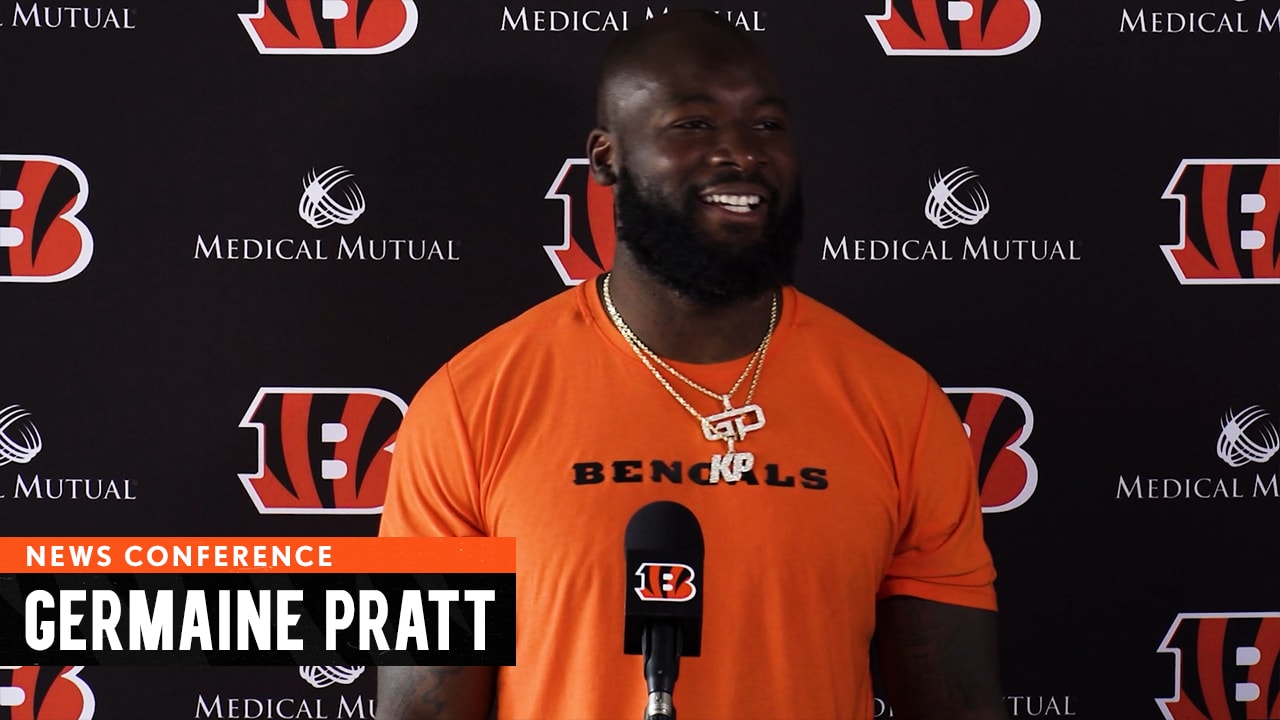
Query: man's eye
x: 693, y: 124
x: 770, y: 125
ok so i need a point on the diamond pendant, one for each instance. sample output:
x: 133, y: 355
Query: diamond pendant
x: 731, y: 465
x: 733, y: 423
x: 731, y: 426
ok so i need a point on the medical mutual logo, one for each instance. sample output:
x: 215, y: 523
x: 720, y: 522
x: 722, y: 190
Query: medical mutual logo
x: 331, y: 699
x: 1211, y: 19
x: 19, y: 439
x: 330, y: 197
x: 956, y: 198
x: 20, y: 445
x: 955, y: 201
x: 1247, y: 437
x: 524, y: 18
x: 322, y: 676
x: 1247, y: 440
x: 44, y: 16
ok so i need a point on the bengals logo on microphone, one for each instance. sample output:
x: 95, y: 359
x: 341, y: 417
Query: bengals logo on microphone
x: 589, y: 239
x: 331, y: 27
x: 29, y: 692
x: 670, y: 582
x: 998, y: 422
x: 1225, y: 665
x: 41, y: 239
x: 956, y: 27
x: 1230, y: 210
x: 322, y: 450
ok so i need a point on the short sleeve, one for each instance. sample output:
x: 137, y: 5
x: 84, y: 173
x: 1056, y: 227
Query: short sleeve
x: 940, y: 554
x: 433, y: 489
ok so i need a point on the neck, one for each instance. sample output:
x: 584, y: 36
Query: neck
x: 679, y: 329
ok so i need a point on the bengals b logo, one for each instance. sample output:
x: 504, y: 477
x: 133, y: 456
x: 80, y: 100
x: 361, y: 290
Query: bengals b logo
x: 1226, y: 665
x: 331, y: 27
x: 41, y: 239
x: 998, y: 422
x: 956, y: 27
x: 30, y: 692
x: 670, y: 582
x: 322, y: 450
x: 589, y: 239
x: 1230, y: 213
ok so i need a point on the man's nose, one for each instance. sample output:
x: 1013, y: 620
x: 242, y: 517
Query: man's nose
x: 738, y: 146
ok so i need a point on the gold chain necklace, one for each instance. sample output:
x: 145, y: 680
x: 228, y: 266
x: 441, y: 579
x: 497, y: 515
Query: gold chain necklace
x: 730, y: 426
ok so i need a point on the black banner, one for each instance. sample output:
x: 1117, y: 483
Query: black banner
x: 258, y: 619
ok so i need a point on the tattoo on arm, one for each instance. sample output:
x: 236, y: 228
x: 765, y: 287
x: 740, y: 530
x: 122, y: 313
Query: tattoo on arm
x: 435, y: 693
x: 939, y: 661
x: 429, y: 699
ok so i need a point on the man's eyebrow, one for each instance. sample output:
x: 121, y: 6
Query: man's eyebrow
x: 692, y: 99
x: 773, y: 101
x: 696, y: 98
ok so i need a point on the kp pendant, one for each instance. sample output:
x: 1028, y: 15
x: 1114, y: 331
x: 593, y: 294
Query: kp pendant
x: 731, y: 426
x: 731, y: 465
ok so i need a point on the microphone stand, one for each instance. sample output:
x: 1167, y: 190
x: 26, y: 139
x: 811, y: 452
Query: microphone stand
x: 661, y: 647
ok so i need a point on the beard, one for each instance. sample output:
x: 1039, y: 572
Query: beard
x: 666, y: 243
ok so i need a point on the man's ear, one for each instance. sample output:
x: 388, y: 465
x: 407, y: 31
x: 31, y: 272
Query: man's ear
x: 601, y: 153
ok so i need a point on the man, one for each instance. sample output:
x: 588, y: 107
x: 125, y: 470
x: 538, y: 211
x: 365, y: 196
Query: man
x: 845, y: 503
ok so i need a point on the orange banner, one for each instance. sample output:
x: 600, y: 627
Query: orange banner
x: 102, y: 555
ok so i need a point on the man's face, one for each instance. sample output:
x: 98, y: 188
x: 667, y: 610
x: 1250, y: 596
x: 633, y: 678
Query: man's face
x: 707, y: 193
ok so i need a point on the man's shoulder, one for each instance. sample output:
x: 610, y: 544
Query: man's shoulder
x: 553, y: 325
x: 819, y: 323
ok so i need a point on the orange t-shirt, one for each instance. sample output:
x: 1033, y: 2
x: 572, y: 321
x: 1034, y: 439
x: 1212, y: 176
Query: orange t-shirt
x: 550, y: 430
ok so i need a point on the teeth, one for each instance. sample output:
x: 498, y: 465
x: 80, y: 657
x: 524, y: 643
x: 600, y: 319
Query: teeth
x: 737, y: 203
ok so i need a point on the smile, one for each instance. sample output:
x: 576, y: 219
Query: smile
x: 733, y: 203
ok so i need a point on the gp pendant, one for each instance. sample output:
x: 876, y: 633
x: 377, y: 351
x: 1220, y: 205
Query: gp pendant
x: 731, y: 426
x: 733, y: 423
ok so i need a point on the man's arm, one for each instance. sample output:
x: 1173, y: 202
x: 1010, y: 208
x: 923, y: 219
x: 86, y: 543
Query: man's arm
x: 435, y: 693
x: 938, y: 661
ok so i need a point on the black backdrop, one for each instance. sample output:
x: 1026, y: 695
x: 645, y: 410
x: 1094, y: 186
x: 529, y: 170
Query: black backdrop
x: 139, y: 370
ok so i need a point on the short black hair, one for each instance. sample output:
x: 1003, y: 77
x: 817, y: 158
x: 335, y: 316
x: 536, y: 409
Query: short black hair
x: 689, y: 28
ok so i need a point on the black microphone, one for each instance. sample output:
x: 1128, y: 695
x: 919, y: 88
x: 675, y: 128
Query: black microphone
x: 664, y: 599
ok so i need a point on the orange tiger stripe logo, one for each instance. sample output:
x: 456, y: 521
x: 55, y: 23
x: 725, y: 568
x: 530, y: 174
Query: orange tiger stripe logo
x: 344, y: 27
x: 31, y: 692
x: 41, y: 239
x: 671, y: 582
x: 956, y: 27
